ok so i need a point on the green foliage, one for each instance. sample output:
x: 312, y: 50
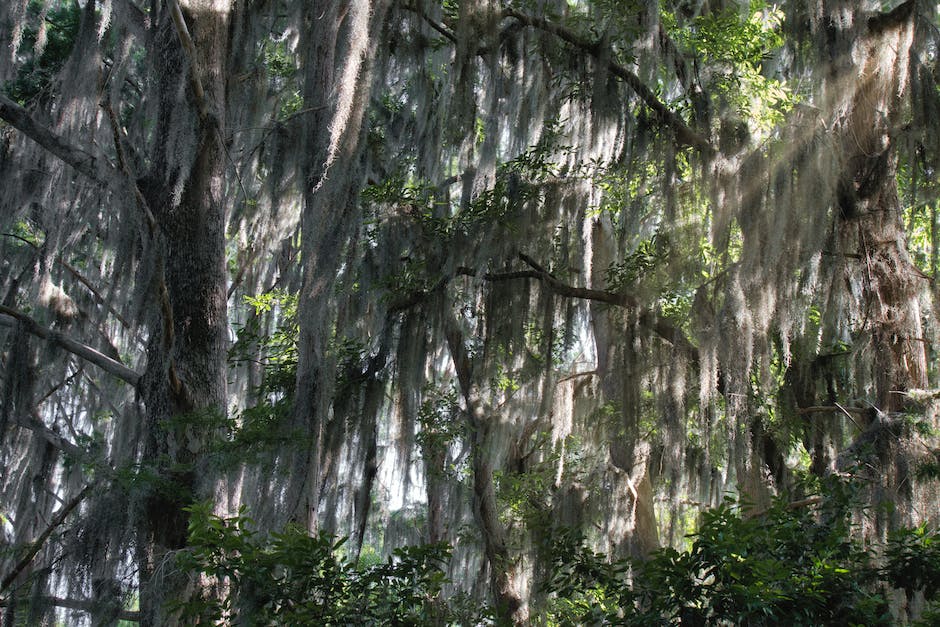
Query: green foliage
x: 735, y: 45
x: 920, y: 221
x: 914, y: 560
x: 442, y: 426
x: 514, y: 184
x: 280, y: 63
x: 39, y: 67
x: 728, y: 37
x: 262, y: 426
x: 648, y: 255
x: 795, y: 564
x: 292, y: 578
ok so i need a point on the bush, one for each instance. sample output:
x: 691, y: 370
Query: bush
x: 292, y: 578
x: 794, y: 564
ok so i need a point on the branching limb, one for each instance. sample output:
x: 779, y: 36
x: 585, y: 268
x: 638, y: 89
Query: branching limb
x: 83, y: 162
x: 685, y: 134
x: 433, y: 24
x: 190, y: 49
x: 111, y: 366
x: 563, y: 289
x: 37, y: 544
x: 99, y: 298
x: 660, y: 327
x: 34, y: 424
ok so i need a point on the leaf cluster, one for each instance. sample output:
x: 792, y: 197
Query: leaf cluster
x: 797, y: 563
x: 293, y: 578
x: 59, y: 27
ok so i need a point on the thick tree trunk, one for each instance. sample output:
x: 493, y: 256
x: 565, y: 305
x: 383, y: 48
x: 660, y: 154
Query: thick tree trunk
x: 184, y: 386
x: 874, y: 67
x: 875, y: 58
x: 510, y: 606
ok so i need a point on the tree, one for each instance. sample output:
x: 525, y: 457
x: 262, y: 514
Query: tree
x: 467, y: 271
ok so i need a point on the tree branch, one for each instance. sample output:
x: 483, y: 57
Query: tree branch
x: 685, y: 134
x: 893, y: 18
x: 38, y: 543
x: 563, y: 289
x: 438, y: 27
x: 83, y: 605
x: 101, y: 300
x: 190, y: 49
x: 34, y: 424
x: 667, y: 331
x: 84, y: 351
x: 83, y: 162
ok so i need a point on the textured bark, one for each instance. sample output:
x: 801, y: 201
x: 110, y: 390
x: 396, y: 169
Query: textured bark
x: 870, y: 219
x: 185, y: 379
x: 870, y: 224
x: 509, y: 603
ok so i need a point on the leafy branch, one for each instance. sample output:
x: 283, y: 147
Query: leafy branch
x: 684, y: 133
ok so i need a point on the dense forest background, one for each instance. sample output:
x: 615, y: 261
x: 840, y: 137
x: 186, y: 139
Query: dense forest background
x: 518, y: 294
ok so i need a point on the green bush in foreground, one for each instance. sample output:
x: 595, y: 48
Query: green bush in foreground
x: 796, y: 563
x: 292, y: 578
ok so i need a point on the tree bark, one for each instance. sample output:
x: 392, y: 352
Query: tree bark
x: 870, y: 218
x: 510, y: 606
x: 184, y: 385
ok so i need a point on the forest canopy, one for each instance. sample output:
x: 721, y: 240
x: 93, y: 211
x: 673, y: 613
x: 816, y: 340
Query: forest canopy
x: 469, y: 311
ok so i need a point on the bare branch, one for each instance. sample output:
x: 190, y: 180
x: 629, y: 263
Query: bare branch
x: 563, y: 289
x: 433, y: 24
x: 38, y: 543
x: 101, y: 300
x: 190, y: 49
x: 684, y: 133
x: 34, y: 424
x: 111, y: 366
x: 820, y: 409
x: 83, y: 162
x: 663, y: 328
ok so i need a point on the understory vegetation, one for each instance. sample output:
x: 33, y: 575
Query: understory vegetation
x: 798, y: 562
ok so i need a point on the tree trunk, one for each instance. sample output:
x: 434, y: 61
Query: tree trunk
x: 875, y: 55
x: 870, y: 220
x: 184, y: 386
